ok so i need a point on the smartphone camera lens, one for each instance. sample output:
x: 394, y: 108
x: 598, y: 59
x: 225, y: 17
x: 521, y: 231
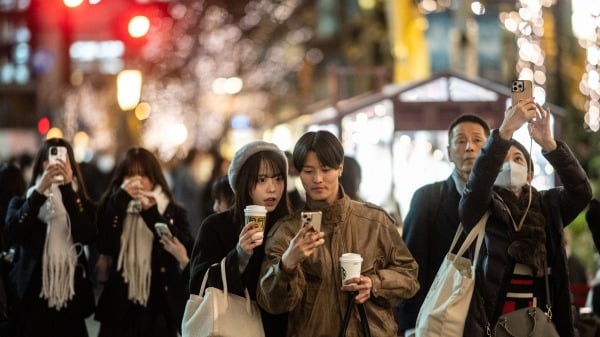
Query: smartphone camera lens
x: 53, y: 151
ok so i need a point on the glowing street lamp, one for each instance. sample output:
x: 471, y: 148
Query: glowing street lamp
x: 129, y: 88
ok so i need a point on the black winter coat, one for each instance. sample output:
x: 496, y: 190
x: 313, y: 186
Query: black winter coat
x: 217, y: 238
x: 560, y: 206
x: 25, y: 230
x: 168, y: 284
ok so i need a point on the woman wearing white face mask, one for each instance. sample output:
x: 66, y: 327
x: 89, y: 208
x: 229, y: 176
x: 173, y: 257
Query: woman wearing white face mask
x: 524, y: 232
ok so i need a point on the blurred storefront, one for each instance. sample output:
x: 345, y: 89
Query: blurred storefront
x: 399, y: 135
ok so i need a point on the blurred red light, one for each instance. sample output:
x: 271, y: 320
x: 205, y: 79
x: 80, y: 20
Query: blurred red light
x: 43, y: 125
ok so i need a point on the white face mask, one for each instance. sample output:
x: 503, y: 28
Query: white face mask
x: 513, y: 176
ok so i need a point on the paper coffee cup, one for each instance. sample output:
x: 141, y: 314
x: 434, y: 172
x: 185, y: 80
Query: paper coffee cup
x: 350, y: 265
x: 257, y: 214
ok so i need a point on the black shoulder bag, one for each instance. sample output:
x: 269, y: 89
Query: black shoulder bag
x: 530, y: 322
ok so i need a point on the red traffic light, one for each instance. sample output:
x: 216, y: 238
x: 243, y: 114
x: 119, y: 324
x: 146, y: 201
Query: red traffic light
x: 135, y: 24
x: 43, y: 125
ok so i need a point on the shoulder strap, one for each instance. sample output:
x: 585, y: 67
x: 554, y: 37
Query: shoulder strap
x: 203, y: 286
x: 364, y: 322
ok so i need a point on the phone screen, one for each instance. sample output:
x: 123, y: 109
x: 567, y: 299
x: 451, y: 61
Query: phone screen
x: 314, y: 218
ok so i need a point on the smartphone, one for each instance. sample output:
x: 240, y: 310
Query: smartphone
x: 163, y: 230
x: 55, y: 153
x: 314, y: 218
x: 521, y: 89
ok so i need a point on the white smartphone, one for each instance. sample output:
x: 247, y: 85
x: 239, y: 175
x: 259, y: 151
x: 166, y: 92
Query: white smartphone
x: 163, y: 230
x: 55, y: 153
x: 314, y: 218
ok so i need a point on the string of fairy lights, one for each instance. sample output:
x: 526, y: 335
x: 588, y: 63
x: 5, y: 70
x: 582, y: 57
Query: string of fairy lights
x: 527, y: 23
x: 586, y: 27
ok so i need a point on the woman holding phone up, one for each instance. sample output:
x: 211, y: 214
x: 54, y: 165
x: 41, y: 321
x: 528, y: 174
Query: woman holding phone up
x: 524, y: 264
x: 49, y: 227
x: 146, y: 289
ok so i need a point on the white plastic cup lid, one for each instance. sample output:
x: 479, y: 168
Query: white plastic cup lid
x: 351, y: 257
x: 255, y: 210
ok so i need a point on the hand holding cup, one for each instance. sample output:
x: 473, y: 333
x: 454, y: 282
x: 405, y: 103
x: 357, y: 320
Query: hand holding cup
x: 352, y: 280
x: 252, y: 234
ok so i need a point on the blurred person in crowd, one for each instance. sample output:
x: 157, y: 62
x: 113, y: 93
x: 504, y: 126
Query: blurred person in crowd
x: 215, y: 166
x: 524, y: 234
x: 222, y: 194
x: 23, y: 162
x: 146, y: 284
x: 187, y: 189
x: 49, y: 226
x: 351, y: 177
x: 295, y: 196
x: 578, y: 275
x: 12, y: 184
x: 592, y: 217
x: 257, y: 175
x: 97, y: 174
x: 434, y: 209
x: 301, y: 272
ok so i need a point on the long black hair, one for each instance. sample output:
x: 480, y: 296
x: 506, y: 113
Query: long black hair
x: 138, y: 161
x: 248, y: 178
x: 42, y: 156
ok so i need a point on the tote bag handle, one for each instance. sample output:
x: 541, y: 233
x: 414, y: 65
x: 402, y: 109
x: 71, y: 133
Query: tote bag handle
x: 224, y: 281
x: 477, y: 232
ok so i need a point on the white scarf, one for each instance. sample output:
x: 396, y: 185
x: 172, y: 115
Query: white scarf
x: 135, y: 256
x: 59, y: 257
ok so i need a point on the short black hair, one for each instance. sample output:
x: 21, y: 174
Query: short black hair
x: 325, y: 144
x: 467, y: 118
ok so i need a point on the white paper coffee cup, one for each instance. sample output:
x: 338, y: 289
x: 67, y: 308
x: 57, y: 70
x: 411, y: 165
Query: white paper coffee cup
x: 257, y: 214
x: 350, y: 264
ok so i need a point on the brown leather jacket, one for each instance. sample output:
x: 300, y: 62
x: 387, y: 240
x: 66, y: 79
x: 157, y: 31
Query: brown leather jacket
x: 312, y: 293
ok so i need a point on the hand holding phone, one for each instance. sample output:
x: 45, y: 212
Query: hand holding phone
x: 54, y: 154
x: 163, y: 230
x: 521, y: 90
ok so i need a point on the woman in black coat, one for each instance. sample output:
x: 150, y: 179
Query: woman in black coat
x: 146, y: 287
x: 257, y: 176
x: 49, y: 228
x: 524, y: 232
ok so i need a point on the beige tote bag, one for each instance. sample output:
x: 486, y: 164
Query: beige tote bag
x: 217, y: 313
x: 446, y: 305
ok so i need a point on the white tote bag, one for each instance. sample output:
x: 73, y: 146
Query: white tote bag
x: 218, y: 313
x: 446, y: 305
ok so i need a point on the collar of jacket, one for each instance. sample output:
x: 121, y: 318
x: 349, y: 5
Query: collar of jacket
x: 332, y: 214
